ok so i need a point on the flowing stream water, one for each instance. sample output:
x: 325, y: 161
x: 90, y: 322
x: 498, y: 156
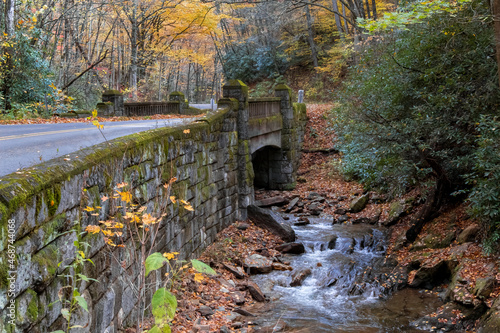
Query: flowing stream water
x: 342, y: 292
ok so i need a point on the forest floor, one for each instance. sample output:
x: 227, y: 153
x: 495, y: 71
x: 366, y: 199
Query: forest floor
x: 317, y: 173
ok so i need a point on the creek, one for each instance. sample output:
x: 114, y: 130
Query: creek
x: 343, y: 293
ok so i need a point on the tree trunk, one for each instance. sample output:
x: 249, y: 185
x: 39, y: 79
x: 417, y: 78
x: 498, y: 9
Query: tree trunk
x: 495, y: 10
x: 431, y: 207
x: 310, y: 32
x: 335, y: 8
x: 374, y: 9
x: 8, y: 51
x: 345, y: 21
x: 133, y: 51
x: 433, y: 201
x: 367, y: 4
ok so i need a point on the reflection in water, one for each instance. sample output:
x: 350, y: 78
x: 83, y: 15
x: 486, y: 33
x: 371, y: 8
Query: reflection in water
x: 342, y: 293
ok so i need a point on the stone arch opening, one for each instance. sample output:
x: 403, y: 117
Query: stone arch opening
x: 266, y: 167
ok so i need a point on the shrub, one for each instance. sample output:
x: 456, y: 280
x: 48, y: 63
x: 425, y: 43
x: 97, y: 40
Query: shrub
x: 408, y: 110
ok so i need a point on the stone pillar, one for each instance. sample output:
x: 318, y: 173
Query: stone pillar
x: 239, y: 91
x: 284, y: 173
x: 115, y: 97
x: 178, y: 96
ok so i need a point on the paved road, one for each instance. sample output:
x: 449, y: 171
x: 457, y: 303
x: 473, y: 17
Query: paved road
x: 23, y: 146
x: 203, y: 106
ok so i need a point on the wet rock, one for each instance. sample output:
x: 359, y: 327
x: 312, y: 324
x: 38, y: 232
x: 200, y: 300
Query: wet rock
x: 434, y: 241
x: 361, y: 220
x: 273, y: 201
x: 375, y: 217
x: 378, y: 197
x: 257, y: 264
x: 281, y: 267
x: 459, y: 251
x: 390, y: 261
x: 237, y: 297
x: 342, y: 219
x: 358, y: 204
x: 272, y: 222
x: 225, y: 284
x: 237, y: 324
x: 484, y: 287
x: 205, y: 310
x: 238, y: 272
x: 490, y: 323
x: 244, y: 312
x: 333, y: 242
x: 469, y: 234
x: 292, y: 248
x: 224, y: 329
x: 313, y: 195
x: 396, y: 210
x: 450, y: 317
x: 242, y: 226
x: 340, y: 211
x: 292, y: 204
x: 299, y: 277
x: 201, y: 328
x: 255, y: 291
x: 302, y: 222
x: 433, y: 275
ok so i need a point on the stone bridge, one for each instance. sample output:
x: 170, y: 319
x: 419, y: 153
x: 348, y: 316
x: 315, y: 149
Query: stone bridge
x: 216, y: 160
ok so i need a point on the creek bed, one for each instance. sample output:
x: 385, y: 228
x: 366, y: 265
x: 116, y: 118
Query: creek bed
x: 342, y: 294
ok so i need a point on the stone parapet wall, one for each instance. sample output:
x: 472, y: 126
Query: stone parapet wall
x: 42, y: 208
x: 41, y: 204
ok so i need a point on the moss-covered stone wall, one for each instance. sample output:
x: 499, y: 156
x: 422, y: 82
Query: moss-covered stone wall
x: 41, y: 204
x: 42, y: 209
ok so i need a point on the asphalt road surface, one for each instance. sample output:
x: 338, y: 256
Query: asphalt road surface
x: 23, y: 146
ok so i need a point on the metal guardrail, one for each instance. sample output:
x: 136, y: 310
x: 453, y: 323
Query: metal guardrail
x: 151, y: 108
x: 264, y: 107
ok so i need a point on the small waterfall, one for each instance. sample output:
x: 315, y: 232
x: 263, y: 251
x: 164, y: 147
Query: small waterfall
x: 343, y: 284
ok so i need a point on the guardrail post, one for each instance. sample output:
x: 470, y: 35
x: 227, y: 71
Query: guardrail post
x: 239, y: 91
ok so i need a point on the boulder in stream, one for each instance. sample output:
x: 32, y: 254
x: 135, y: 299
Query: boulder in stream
x: 292, y: 248
x: 299, y: 277
x: 272, y: 222
x: 333, y: 242
x: 255, y: 291
x: 257, y: 264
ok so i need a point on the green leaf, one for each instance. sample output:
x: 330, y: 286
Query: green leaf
x: 202, y: 267
x: 83, y: 277
x: 156, y: 329
x: 82, y: 302
x: 154, y: 261
x: 65, y: 313
x: 163, y: 306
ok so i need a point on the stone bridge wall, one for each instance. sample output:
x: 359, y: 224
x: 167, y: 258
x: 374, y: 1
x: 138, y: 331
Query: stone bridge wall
x: 42, y: 202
